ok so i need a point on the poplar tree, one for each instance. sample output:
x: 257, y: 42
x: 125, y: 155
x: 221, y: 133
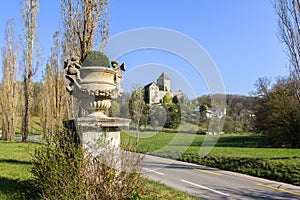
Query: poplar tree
x: 53, y: 98
x: 30, y: 10
x: 137, y: 108
x: 85, y: 22
x: 9, y: 95
x: 288, y: 12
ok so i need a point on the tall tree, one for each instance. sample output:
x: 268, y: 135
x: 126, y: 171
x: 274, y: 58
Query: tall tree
x: 84, y: 21
x: 137, y: 107
x: 167, y: 99
x: 9, y: 98
x: 53, y: 93
x: 277, y: 112
x: 30, y: 10
x: 114, y: 110
x: 288, y: 90
x: 288, y: 12
x: 173, y: 110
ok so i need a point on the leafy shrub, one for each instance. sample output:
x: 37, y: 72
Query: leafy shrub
x: 64, y: 170
x: 173, y: 116
x: 96, y: 58
x: 58, y: 169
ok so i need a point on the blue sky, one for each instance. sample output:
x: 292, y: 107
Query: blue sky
x: 240, y: 36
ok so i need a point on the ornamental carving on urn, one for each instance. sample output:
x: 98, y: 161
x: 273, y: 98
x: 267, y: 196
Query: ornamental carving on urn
x: 94, y: 85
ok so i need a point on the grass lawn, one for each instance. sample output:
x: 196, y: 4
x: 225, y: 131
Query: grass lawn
x: 35, y: 127
x: 152, y: 141
x: 15, y: 165
x: 14, y: 170
x: 157, y: 191
x: 242, y: 145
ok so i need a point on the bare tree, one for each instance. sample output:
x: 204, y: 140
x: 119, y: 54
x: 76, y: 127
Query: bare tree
x: 137, y: 107
x: 288, y: 12
x: 53, y: 98
x: 29, y: 10
x: 68, y: 99
x: 84, y: 21
x: 9, y: 98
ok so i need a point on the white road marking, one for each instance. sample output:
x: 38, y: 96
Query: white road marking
x: 203, y: 187
x: 150, y: 170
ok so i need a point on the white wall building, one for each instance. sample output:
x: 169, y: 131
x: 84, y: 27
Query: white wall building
x: 155, y: 92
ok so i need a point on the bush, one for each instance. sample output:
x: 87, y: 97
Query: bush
x: 58, y: 169
x: 63, y: 170
x: 173, y: 116
x: 96, y: 58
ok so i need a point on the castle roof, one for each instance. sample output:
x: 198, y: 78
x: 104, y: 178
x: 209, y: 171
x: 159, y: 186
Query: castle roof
x: 148, y: 85
x: 163, y: 76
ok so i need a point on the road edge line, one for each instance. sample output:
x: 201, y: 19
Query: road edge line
x: 150, y: 170
x: 278, y: 189
x: 203, y: 187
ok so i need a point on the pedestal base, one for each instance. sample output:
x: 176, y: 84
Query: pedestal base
x: 97, y: 133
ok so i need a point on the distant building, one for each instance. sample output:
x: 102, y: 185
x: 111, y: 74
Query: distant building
x: 211, y: 112
x: 155, y: 92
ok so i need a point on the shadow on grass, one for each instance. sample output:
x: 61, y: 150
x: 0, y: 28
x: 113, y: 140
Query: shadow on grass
x: 250, y: 141
x: 16, y: 189
x: 241, y: 141
x: 17, y: 162
x: 19, y: 134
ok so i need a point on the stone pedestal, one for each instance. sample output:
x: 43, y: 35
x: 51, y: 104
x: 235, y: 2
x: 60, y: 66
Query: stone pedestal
x: 94, y: 87
x: 97, y: 133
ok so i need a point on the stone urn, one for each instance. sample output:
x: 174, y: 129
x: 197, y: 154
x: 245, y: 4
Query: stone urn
x: 94, y: 86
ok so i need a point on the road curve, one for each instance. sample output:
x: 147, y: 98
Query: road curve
x: 211, y: 183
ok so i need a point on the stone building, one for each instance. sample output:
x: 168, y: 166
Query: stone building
x: 155, y: 92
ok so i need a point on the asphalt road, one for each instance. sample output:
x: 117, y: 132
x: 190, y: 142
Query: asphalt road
x: 33, y: 138
x: 210, y: 183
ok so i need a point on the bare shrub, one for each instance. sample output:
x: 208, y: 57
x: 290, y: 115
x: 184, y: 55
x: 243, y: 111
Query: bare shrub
x: 63, y: 170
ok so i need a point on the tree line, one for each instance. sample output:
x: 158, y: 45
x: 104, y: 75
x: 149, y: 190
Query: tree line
x: 84, y: 22
x: 272, y: 109
x: 278, y: 102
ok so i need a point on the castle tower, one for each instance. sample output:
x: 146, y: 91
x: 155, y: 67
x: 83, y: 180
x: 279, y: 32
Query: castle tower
x: 164, y: 82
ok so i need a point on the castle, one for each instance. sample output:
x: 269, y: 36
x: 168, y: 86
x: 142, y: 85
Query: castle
x: 155, y: 92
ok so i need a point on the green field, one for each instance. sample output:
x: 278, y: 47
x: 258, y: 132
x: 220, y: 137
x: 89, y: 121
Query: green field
x: 244, y: 153
x: 152, y: 141
x: 15, y: 165
x: 34, y: 129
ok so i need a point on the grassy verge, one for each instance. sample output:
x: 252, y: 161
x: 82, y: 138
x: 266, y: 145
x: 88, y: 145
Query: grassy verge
x: 284, y: 169
x: 15, y: 165
x: 240, y: 153
x: 160, y: 191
